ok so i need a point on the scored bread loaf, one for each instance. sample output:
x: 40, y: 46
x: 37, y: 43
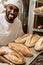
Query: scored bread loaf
x: 22, y: 38
x: 39, y: 44
x: 21, y: 48
x: 31, y: 41
x: 5, y: 50
x: 15, y: 57
x: 3, y: 60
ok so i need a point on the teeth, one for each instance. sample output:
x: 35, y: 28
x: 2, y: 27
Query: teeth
x: 10, y: 16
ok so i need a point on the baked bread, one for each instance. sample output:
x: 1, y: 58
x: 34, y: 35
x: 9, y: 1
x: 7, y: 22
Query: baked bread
x: 5, y: 50
x: 21, y: 48
x: 39, y: 44
x: 3, y: 60
x: 15, y: 57
x: 31, y: 41
x: 22, y: 38
x: 38, y: 9
x: 40, y: 27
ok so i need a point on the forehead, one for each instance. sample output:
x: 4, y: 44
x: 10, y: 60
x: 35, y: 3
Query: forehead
x: 11, y: 5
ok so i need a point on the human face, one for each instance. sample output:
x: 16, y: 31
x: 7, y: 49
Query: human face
x: 11, y: 12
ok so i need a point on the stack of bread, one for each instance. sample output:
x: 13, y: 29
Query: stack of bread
x: 17, y: 50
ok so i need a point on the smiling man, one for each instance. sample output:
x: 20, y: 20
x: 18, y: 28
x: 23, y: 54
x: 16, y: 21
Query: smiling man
x: 10, y: 25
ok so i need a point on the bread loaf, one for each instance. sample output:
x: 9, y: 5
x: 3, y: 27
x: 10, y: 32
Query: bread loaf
x: 15, y: 57
x: 31, y: 41
x: 22, y: 39
x: 21, y: 48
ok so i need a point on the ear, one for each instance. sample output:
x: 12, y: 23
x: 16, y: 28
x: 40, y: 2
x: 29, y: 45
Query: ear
x: 5, y: 6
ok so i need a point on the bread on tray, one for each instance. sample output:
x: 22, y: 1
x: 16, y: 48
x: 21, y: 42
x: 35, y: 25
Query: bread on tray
x: 15, y: 57
x: 3, y: 60
x: 21, y: 48
x: 22, y: 38
x: 39, y: 44
x: 5, y: 50
x: 31, y: 41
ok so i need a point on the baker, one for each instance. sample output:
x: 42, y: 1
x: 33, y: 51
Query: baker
x: 10, y: 25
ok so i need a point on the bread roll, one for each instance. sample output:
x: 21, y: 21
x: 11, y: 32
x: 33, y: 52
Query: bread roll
x: 22, y: 39
x: 21, y: 48
x: 31, y: 41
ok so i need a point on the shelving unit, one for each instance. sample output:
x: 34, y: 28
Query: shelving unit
x: 35, y: 19
x: 38, y: 30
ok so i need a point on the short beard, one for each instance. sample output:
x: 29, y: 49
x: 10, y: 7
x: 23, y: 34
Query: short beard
x: 9, y: 20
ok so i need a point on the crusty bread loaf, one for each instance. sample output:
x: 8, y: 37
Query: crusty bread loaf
x: 30, y: 42
x: 5, y: 50
x: 21, y: 48
x: 39, y: 44
x: 38, y: 9
x: 15, y: 57
x: 22, y: 38
x: 3, y: 60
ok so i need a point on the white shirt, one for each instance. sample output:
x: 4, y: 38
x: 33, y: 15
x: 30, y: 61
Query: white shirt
x: 9, y: 32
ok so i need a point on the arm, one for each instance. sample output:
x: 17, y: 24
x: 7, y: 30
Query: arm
x: 20, y: 32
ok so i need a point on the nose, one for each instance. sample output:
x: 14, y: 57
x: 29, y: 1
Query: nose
x: 12, y: 11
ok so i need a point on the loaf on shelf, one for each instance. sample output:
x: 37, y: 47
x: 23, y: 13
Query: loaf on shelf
x: 40, y: 27
x: 38, y: 9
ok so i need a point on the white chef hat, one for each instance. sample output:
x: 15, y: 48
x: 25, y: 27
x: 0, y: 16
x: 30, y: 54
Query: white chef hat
x: 17, y: 3
x: 14, y: 2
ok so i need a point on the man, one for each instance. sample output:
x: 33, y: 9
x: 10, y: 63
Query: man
x: 10, y: 25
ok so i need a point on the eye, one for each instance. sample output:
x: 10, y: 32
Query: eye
x: 11, y: 8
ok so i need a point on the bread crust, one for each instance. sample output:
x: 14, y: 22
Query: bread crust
x: 39, y: 44
x: 15, y: 57
x: 22, y: 38
x: 30, y: 42
x: 21, y: 48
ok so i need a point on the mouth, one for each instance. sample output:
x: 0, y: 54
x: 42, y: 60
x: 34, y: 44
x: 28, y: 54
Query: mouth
x: 11, y: 16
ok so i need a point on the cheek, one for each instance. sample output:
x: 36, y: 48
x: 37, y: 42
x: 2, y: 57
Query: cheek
x: 8, y: 11
x: 16, y: 13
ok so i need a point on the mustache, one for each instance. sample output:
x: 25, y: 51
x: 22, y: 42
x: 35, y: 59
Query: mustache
x: 11, y: 14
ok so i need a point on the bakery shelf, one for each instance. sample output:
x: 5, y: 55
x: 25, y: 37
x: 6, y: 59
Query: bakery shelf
x: 39, y: 1
x: 40, y: 14
x: 37, y: 30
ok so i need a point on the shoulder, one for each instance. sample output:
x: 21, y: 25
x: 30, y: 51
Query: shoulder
x: 18, y: 21
x: 1, y: 17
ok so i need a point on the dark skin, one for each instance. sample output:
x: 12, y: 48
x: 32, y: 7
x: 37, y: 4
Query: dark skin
x: 11, y: 13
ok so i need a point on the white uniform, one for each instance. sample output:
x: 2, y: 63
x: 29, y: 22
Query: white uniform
x: 9, y: 32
